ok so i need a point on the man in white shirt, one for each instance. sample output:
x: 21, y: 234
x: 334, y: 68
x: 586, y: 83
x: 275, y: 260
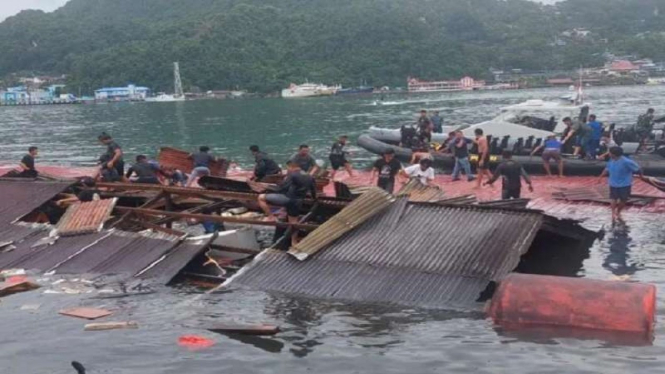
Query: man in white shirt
x: 423, y: 172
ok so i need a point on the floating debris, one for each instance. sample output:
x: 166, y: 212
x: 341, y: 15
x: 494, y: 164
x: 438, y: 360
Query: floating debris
x: 86, y: 313
x: 104, y: 326
x: 245, y: 329
x: 10, y: 288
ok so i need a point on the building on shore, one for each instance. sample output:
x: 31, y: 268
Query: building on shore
x: 129, y: 93
x: 24, y: 95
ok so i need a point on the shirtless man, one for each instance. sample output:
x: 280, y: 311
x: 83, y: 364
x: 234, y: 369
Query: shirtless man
x: 483, y: 157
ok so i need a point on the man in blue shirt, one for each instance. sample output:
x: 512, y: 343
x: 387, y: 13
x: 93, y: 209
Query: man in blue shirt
x: 437, y: 122
x: 593, y: 140
x: 552, y: 151
x: 620, y: 170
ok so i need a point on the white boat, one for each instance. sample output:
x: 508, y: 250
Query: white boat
x: 307, y: 90
x: 532, y: 118
x: 179, y: 95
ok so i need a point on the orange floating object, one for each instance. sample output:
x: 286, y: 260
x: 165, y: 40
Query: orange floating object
x: 16, y: 279
x: 195, y: 341
x: 534, y: 300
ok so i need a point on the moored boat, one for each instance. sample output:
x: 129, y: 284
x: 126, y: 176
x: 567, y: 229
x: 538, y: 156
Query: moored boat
x: 307, y: 90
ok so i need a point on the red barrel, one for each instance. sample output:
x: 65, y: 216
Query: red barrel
x: 536, y: 300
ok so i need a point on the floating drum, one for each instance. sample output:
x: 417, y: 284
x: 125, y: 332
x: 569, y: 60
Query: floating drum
x: 541, y: 301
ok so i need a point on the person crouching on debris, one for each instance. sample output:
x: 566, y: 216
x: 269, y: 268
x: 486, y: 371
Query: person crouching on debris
x: 264, y: 165
x: 512, y: 173
x: 387, y: 167
x: 27, y: 164
x: 422, y: 172
x: 620, y: 170
x: 145, y: 171
x: 202, y: 160
x: 107, y: 173
x: 289, y: 194
x: 552, y: 151
x: 114, y: 155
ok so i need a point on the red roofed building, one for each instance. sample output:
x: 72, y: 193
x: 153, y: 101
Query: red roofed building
x: 623, y: 66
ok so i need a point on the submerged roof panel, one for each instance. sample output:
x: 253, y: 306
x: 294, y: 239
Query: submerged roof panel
x: 410, y: 254
x: 169, y: 266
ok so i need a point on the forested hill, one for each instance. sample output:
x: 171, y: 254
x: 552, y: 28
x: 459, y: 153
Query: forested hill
x: 262, y: 45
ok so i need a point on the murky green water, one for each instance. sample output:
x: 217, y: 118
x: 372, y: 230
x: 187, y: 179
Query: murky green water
x: 320, y: 337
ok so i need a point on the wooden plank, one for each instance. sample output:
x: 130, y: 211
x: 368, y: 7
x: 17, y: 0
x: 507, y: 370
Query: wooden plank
x: 104, y: 326
x: 245, y: 329
x: 86, y: 313
x: 215, y: 218
x: 7, y: 289
x: 152, y: 226
x: 245, y: 251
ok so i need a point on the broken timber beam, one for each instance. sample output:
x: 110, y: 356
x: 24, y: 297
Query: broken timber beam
x: 214, y: 218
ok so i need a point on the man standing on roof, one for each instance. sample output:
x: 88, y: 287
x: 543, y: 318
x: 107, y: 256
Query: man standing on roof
x: 552, y: 151
x: 483, y: 157
x: 338, y: 157
x: 263, y: 164
x: 289, y: 194
x: 437, y: 123
x: 386, y: 168
x: 305, y: 160
x: 620, y: 170
x: 422, y: 172
x: 27, y: 164
x: 202, y: 160
x: 113, y: 156
x: 460, y: 149
x: 512, y: 173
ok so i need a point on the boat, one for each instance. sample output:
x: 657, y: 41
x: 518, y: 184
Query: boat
x: 652, y: 164
x: 179, y: 95
x: 308, y: 90
x: 355, y: 90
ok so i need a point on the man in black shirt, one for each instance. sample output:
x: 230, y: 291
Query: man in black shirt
x: 460, y: 149
x: 386, y: 168
x: 113, y: 155
x: 512, y: 172
x: 28, y: 164
x: 264, y: 165
x: 145, y: 171
x: 305, y: 160
x: 202, y: 160
x: 290, y: 194
x: 338, y: 157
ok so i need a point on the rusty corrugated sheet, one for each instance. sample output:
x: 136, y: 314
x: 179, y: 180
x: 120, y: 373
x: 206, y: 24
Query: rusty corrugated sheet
x: 172, y: 263
x: 418, y: 192
x: 179, y: 159
x: 411, y: 254
x: 356, y: 213
x: 598, y: 194
x: 85, y: 218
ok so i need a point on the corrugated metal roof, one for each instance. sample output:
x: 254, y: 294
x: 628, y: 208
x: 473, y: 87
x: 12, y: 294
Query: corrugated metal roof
x: 355, y: 214
x: 20, y: 198
x: 179, y: 159
x: 30, y: 255
x: 410, y: 254
x: 171, y: 264
x: 418, y: 192
x: 120, y: 252
x: 85, y: 218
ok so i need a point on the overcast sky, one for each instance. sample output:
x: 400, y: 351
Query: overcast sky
x: 11, y: 7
